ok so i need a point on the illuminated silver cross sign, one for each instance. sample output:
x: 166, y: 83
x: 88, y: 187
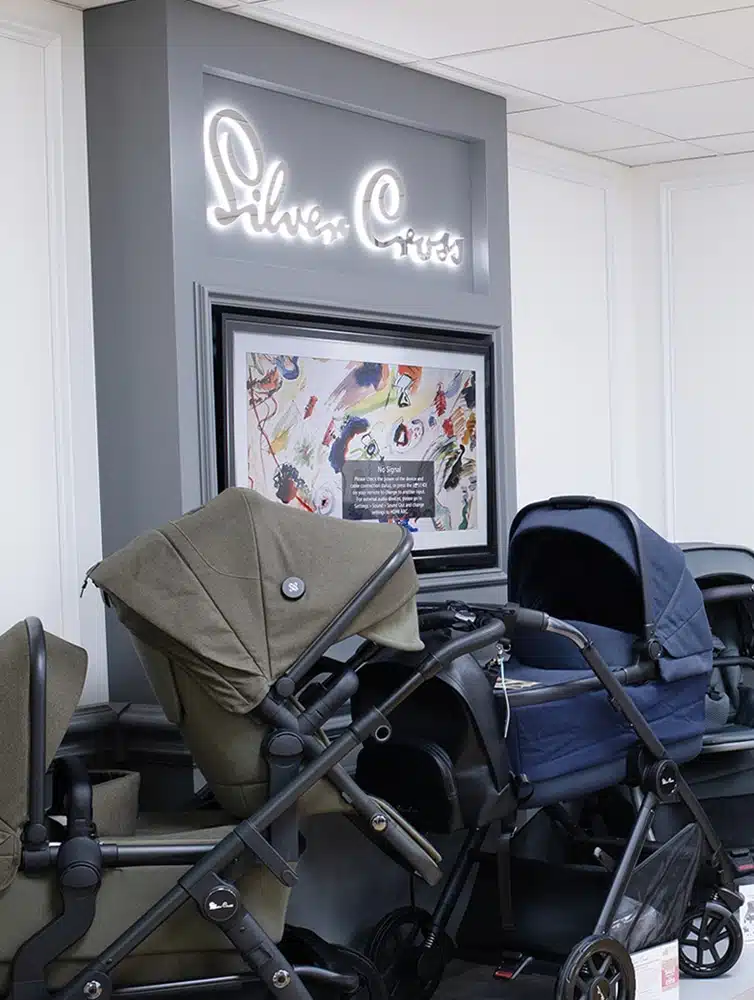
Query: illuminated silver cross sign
x: 250, y: 192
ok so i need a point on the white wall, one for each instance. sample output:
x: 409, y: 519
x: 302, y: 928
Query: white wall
x: 576, y: 358
x: 633, y: 333
x: 698, y: 235
x: 49, y: 500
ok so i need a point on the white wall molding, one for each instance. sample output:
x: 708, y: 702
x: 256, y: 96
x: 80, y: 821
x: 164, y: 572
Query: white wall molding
x: 611, y: 184
x: 698, y: 225
x: 58, y: 33
x: 676, y: 269
x: 668, y: 358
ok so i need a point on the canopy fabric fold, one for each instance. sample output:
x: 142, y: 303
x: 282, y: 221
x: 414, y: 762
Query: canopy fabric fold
x: 665, y: 592
x: 211, y: 582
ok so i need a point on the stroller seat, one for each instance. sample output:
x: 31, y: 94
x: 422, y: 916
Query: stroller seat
x: 231, y: 609
x: 186, y: 946
x: 565, y: 738
x: 723, y: 776
x: 577, y: 744
x: 600, y: 681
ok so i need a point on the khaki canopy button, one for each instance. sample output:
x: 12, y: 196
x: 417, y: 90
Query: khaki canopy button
x: 293, y: 588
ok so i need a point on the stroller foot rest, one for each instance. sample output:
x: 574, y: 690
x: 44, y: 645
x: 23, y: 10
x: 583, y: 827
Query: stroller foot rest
x: 512, y: 965
x: 742, y: 860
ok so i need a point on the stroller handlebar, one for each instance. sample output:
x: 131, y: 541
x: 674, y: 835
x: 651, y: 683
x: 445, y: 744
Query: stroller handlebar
x: 539, y: 621
x: 558, y: 627
x: 526, y: 618
x: 489, y: 631
x: 484, y: 626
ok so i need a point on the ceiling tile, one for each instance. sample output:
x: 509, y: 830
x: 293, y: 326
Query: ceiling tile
x: 612, y: 63
x: 90, y: 4
x: 517, y: 100
x: 272, y: 13
x: 719, y: 109
x: 661, y: 152
x: 729, y: 34
x: 436, y: 28
x: 661, y: 10
x: 575, y: 128
x: 741, y: 142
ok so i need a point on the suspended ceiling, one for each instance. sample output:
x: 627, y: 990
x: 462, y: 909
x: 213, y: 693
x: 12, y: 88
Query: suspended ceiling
x: 632, y: 81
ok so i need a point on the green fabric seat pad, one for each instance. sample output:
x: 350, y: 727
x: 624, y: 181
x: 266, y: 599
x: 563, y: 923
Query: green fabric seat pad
x: 196, y: 946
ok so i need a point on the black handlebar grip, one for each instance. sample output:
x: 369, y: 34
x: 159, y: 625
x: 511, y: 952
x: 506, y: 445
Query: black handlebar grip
x: 571, y: 502
x: 535, y: 620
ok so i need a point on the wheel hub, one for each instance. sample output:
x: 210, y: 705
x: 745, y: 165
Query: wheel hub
x: 600, y: 990
x: 711, y: 942
x: 598, y: 968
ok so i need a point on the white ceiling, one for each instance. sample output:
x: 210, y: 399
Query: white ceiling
x: 634, y: 81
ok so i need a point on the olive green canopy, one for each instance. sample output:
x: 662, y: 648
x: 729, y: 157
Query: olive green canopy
x: 212, y: 582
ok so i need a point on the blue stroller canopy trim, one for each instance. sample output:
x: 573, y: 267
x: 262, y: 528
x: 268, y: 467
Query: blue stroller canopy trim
x: 625, y: 560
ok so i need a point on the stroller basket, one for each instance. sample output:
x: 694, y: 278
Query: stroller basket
x: 657, y: 896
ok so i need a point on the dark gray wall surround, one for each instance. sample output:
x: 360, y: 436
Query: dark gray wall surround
x: 155, y: 68
x: 134, y: 301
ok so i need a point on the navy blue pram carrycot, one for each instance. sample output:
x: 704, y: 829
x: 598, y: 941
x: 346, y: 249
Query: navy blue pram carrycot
x: 599, y: 681
x: 630, y: 592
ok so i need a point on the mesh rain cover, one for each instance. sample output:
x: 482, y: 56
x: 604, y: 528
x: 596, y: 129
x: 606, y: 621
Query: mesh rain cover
x: 657, y: 895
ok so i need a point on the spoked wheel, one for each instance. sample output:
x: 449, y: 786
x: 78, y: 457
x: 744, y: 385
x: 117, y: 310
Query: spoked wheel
x: 598, y: 968
x: 711, y: 942
x: 410, y: 970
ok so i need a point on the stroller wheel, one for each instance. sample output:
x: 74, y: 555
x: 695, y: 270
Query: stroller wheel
x: 398, y: 948
x: 711, y: 942
x: 304, y: 947
x: 598, y: 968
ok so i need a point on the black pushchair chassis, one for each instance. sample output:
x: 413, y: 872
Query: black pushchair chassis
x: 232, y: 608
x: 622, y: 895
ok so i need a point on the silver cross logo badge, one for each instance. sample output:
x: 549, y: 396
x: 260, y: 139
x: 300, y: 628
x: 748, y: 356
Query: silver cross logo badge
x: 293, y: 588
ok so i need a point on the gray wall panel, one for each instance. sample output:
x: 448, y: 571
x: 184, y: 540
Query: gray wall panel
x: 158, y: 267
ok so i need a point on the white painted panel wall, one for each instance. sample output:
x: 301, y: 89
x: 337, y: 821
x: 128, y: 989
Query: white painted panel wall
x: 710, y: 340
x: 49, y: 497
x: 29, y: 528
x: 698, y: 234
x: 574, y: 366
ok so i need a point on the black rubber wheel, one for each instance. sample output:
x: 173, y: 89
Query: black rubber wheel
x: 598, y: 968
x: 711, y: 942
x: 397, y: 948
x: 304, y: 947
x: 372, y: 983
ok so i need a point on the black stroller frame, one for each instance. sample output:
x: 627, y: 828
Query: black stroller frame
x: 656, y: 776
x: 298, y: 759
x: 81, y: 858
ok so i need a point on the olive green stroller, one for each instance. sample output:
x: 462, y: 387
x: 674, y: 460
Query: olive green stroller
x: 231, y: 608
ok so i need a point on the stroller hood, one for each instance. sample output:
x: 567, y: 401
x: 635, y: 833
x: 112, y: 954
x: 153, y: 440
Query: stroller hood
x: 211, y: 584
x: 596, y: 561
x: 705, y: 559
